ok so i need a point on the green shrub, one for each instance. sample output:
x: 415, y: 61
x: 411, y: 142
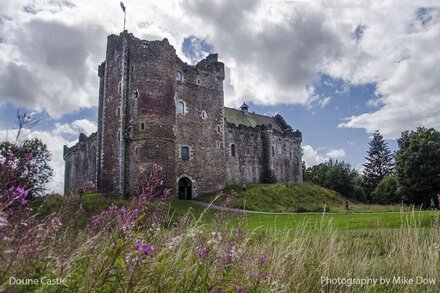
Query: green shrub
x: 386, y: 191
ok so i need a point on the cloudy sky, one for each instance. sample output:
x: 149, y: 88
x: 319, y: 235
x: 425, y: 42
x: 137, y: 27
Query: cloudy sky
x: 337, y: 70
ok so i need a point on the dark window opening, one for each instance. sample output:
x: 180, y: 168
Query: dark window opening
x: 142, y: 126
x: 184, y: 153
x: 273, y: 151
x: 233, y: 150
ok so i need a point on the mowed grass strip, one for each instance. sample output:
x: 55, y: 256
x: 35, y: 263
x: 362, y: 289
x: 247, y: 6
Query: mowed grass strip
x: 340, y: 221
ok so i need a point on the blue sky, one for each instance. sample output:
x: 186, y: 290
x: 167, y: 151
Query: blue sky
x: 335, y: 70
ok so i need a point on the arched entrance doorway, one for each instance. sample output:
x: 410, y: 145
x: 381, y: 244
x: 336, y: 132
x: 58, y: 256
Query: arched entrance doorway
x: 185, y: 188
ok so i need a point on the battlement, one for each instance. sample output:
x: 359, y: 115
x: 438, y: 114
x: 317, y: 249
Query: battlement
x: 211, y: 64
x: 82, y: 140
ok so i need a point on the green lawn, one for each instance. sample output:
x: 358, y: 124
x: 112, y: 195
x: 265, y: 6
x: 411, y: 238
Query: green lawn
x: 341, y: 221
x: 93, y: 204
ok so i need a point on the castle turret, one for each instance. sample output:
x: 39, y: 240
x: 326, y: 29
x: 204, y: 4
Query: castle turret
x: 138, y: 113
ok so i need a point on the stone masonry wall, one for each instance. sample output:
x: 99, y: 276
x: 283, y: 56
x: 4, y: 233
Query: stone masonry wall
x: 150, y: 111
x: 262, y: 155
x: 200, y: 127
x: 80, y: 162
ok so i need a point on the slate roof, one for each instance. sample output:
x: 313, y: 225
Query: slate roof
x: 238, y: 117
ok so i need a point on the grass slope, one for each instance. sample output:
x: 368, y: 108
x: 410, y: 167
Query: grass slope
x: 293, y: 197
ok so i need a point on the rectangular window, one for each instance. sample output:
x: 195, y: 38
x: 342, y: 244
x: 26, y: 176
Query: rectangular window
x: 184, y: 153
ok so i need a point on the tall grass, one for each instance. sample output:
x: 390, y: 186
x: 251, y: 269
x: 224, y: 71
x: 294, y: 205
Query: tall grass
x: 181, y: 254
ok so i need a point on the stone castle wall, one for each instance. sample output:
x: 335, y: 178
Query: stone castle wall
x: 262, y: 154
x: 200, y: 127
x: 80, y: 162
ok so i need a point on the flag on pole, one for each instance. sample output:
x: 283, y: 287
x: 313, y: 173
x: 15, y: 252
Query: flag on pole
x: 122, y: 6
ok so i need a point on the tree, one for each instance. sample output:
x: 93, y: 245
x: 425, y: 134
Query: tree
x: 386, y: 191
x: 379, y: 163
x: 337, y: 176
x: 418, y: 165
x: 29, y: 164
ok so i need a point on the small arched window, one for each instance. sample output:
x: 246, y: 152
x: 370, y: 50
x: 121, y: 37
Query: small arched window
x: 180, y: 107
x: 184, y: 153
x: 273, y: 151
x: 178, y: 76
x: 204, y: 115
x: 233, y: 150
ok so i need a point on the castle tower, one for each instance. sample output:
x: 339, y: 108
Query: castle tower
x: 137, y: 113
x: 200, y: 147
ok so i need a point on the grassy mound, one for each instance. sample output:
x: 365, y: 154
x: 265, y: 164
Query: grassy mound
x: 75, y: 211
x: 293, y: 197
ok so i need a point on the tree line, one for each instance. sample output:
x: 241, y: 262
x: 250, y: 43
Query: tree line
x: 410, y: 175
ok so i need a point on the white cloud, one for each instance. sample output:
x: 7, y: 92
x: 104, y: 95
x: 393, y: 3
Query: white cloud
x: 313, y: 157
x: 324, y: 102
x: 335, y: 153
x: 85, y: 126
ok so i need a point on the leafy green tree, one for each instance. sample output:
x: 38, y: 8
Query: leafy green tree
x: 337, y: 176
x: 386, y: 191
x: 30, y: 160
x: 418, y: 165
x: 379, y: 163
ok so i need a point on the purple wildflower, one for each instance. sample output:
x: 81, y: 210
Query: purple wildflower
x: 262, y: 258
x: 202, y: 252
x: 96, y: 220
x: 20, y: 195
x: 141, y: 246
x: 239, y: 289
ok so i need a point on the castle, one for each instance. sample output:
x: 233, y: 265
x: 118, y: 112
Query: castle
x: 155, y: 108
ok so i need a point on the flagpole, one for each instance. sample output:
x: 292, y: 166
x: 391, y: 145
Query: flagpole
x: 123, y: 9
